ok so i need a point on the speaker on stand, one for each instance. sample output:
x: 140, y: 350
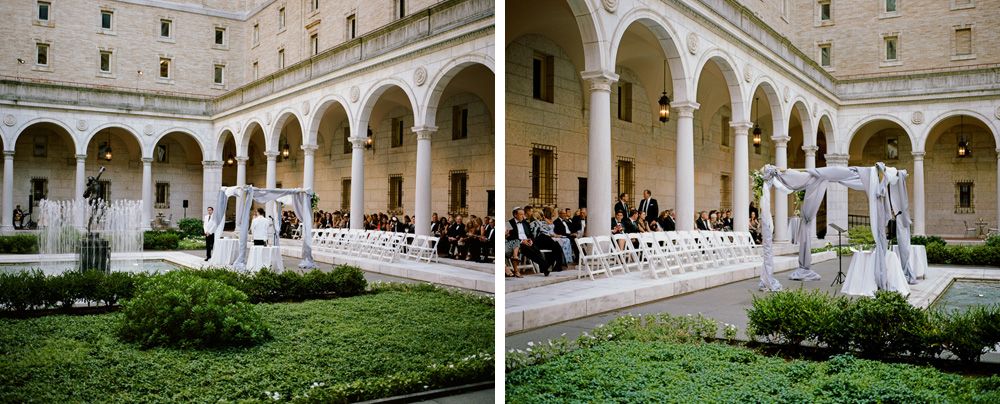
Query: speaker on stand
x: 185, y: 205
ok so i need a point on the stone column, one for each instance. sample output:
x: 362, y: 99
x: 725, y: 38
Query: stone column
x: 211, y: 179
x: 308, y: 171
x: 7, y: 223
x: 741, y: 176
x: 422, y: 202
x: 919, y: 215
x: 780, y: 200
x: 599, y: 194
x: 241, y: 180
x: 81, y: 175
x: 684, y: 191
x: 147, y: 192
x: 811, y: 163
x: 272, y: 177
x: 358, y: 182
x: 998, y: 186
x: 836, y: 196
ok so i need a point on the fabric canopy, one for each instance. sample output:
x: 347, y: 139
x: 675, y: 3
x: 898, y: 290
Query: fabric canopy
x: 300, y: 199
x: 886, y: 191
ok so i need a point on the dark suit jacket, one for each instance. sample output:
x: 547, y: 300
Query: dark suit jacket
x: 561, y: 227
x: 667, y: 224
x: 456, y: 230
x: 513, y: 232
x: 576, y: 224
x: 622, y: 207
x: 630, y: 226
x: 703, y: 224
x: 615, y: 223
x: 651, y: 211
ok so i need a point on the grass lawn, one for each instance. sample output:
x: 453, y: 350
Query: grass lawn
x: 665, y: 372
x: 319, y: 344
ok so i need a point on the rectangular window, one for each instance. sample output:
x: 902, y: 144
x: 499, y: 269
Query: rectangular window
x: 352, y: 27
x: 39, y: 190
x: 41, y: 148
x: 281, y: 18
x: 724, y: 130
x: 345, y: 194
x: 256, y: 33
x: 458, y: 192
x: 281, y: 58
x: 219, y: 74
x: 824, y: 55
x: 43, y: 10
x: 459, y: 122
x: 543, y: 175
x: 164, y: 68
x: 162, y: 195
x: 105, y: 61
x: 314, y: 44
x: 725, y: 192
x: 313, y: 5
x: 42, y: 54
x: 397, y: 132
x: 220, y: 36
x: 165, y: 28
x: 396, y: 194
x: 824, y: 11
x: 963, y: 41
x: 890, y: 6
x: 348, y: 147
x: 626, y: 175
x: 256, y: 70
x: 542, y: 77
x: 891, y: 48
x: 400, y: 8
x: 106, y: 19
x: 625, y: 101
x: 964, y: 202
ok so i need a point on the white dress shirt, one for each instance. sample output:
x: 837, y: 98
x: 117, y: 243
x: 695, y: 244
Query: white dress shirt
x: 208, y: 226
x: 260, y: 227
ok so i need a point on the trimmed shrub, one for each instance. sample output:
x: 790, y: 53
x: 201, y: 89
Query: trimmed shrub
x: 180, y: 309
x: 927, y: 240
x: 160, y: 240
x: 971, y: 333
x: 887, y: 326
x: 788, y: 317
x: 860, y: 235
x: 191, y: 227
x: 348, y: 281
x: 19, y: 244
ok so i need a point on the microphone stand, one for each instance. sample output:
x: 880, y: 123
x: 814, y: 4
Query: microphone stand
x: 840, y: 259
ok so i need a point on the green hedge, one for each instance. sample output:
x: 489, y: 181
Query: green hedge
x: 32, y: 290
x: 161, y: 240
x: 19, y: 244
x: 191, y: 227
x: 880, y: 327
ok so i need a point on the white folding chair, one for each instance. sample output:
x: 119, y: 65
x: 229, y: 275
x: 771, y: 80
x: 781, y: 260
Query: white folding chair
x: 610, y: 253
x: 591, y: 259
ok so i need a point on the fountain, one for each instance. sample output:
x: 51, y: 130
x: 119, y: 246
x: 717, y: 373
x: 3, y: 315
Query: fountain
x: 110, y: 242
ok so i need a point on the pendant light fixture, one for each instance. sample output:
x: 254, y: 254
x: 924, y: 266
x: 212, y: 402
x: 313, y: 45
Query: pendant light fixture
x: 285, y: 150
x: 964, y: 149
x: 368, y: 141
x: 664, y: 99
x: 107, y: 152
x: 231, y: 159
x: 756, y: 124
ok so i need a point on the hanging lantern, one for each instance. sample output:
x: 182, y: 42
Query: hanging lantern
x: 230, y: 161
x: 664, y: 99
x: 107, y: 152
x: 757, y: 131
x: 964, y: 149
x: 756, y: 135
x: 368, y: 142
x: 285, y: 151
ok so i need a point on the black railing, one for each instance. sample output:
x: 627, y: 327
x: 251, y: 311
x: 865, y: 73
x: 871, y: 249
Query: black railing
x: 858, y: 220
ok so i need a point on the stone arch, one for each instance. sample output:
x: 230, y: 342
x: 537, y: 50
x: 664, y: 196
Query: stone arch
x: 922, y: 145
x: 370, y: 99
x: 128, y: 129
x: 243, y: 141
x: 595, y: 55
x: 800, y: 105
x: 279, y: 123
x: 725, y: 64
x: 846, y: 146
x: 444, y: 77
x: 667, y: 36
x: 325, y: 103
x: 16, y: 134
x: 197, y: 139
x: 220, y: 141
x: 765, y: 84
x: 826, y: 123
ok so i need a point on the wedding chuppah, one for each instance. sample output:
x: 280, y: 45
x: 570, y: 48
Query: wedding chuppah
x: 885, y: 188
x: 301, y: 202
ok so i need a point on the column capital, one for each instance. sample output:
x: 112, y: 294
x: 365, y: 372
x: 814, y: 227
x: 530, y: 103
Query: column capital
x: 81, y: 157
x: 271, y: 155
x: 358, y: 142
x: 147, y: 160
x: 837, y: 159
x: 918, y: 156
x: 309, y: 148
x: 424, y: 132
x: 810, y: 150
x: 8, y: 154
x: 600, y: 80
x: 242, y: 159
x: 211, y: 164
x: 741, y: 128
x: 781, y: 140
x: 685, y: 109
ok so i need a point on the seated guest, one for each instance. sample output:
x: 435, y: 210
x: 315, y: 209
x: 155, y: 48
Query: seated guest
x: 727, y: 220
x: 558, y: 246
x: 630, y: 224
x: 617, y: 222
x: 456, y: 237
x: 703, y: 222
x: 666, y: 221
x: 643, y: 224
x: 518, y: 243
x: 564, y: 227
x: 754, y: 227
x: 580, y: 222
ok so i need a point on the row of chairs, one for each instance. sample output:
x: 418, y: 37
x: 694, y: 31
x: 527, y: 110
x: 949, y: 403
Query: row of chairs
x: 375, y: 244
x: 664, y: 253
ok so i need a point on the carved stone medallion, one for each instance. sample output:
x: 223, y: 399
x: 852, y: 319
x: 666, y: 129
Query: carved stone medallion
x: 355, y: 94
x: 917, y: 118
x: 420, y: 76
x: 692, y: 43
x: 610, y: 5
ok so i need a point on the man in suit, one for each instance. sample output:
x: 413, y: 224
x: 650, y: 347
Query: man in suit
x: 630, y: 224
x: 580, y: 221
x: 564, y: 227
x: 210, y: 229
x: 667, y: 222
x: 519, y: 231
x: 456, y: 232
x: 622, y: 204
x: 649, y: 205
x: 434, y: 223
x: 703, y: 223
x: 618, y: 222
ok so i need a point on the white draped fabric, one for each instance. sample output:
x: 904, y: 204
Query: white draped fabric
x: 814, y: 182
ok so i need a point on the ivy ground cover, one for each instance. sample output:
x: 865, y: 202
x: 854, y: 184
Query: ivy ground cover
x: 394, y: 341
x: 668, y: 372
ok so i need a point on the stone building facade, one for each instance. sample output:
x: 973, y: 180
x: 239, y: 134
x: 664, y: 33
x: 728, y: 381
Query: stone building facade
x: 585, y: 77
x: 414, y: 80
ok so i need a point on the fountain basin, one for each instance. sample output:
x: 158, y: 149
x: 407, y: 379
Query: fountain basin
x: 963, y: 293
x: 55, y: 267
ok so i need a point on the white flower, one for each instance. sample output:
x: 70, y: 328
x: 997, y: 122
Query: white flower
x: 531, y: 343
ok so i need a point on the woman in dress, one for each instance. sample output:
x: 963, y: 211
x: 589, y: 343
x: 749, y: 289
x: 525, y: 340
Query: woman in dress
x: 547, y: 239
x: 643, y: 224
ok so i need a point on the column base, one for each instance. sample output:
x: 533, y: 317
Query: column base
x: 7, y: 228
